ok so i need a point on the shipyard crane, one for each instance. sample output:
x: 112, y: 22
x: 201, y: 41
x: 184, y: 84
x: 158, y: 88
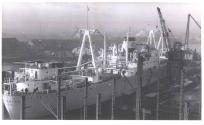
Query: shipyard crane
x: 187, y: 29
x: 151, y: 38
x: 165, y: 32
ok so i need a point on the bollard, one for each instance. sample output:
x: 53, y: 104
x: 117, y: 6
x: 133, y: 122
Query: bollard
x: 22, y: 108
x: 98, y: 106
x: 63, y: 107
x: 113, y: 99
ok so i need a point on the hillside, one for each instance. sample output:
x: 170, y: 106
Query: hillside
x: 45, y: 49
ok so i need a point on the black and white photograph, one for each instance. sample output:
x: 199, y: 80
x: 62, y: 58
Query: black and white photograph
x: 101, y: 61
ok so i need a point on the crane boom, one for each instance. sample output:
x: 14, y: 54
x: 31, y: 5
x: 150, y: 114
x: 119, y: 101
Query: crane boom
x: 164, y: 29
x: 195, y: 21
x: 187, y: 28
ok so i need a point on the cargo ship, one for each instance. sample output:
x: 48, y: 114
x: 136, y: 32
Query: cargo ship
x: 38, y: 81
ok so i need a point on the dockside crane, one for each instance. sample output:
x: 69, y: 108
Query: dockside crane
x: 188, y: 29
x: 165, y: 32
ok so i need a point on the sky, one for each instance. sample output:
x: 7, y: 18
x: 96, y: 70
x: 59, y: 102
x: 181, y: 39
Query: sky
x: 62, y: 19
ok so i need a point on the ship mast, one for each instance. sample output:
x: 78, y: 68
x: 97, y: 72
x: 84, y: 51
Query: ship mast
x: 86, y: 35
x: 105, y: 51
x: 126, y: 52
x: 87, y: 16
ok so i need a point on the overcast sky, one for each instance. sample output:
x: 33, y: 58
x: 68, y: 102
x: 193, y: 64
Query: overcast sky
x: 63, y: 18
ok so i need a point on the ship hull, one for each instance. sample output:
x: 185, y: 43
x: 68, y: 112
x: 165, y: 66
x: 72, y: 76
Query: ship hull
x: 43, y: 104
